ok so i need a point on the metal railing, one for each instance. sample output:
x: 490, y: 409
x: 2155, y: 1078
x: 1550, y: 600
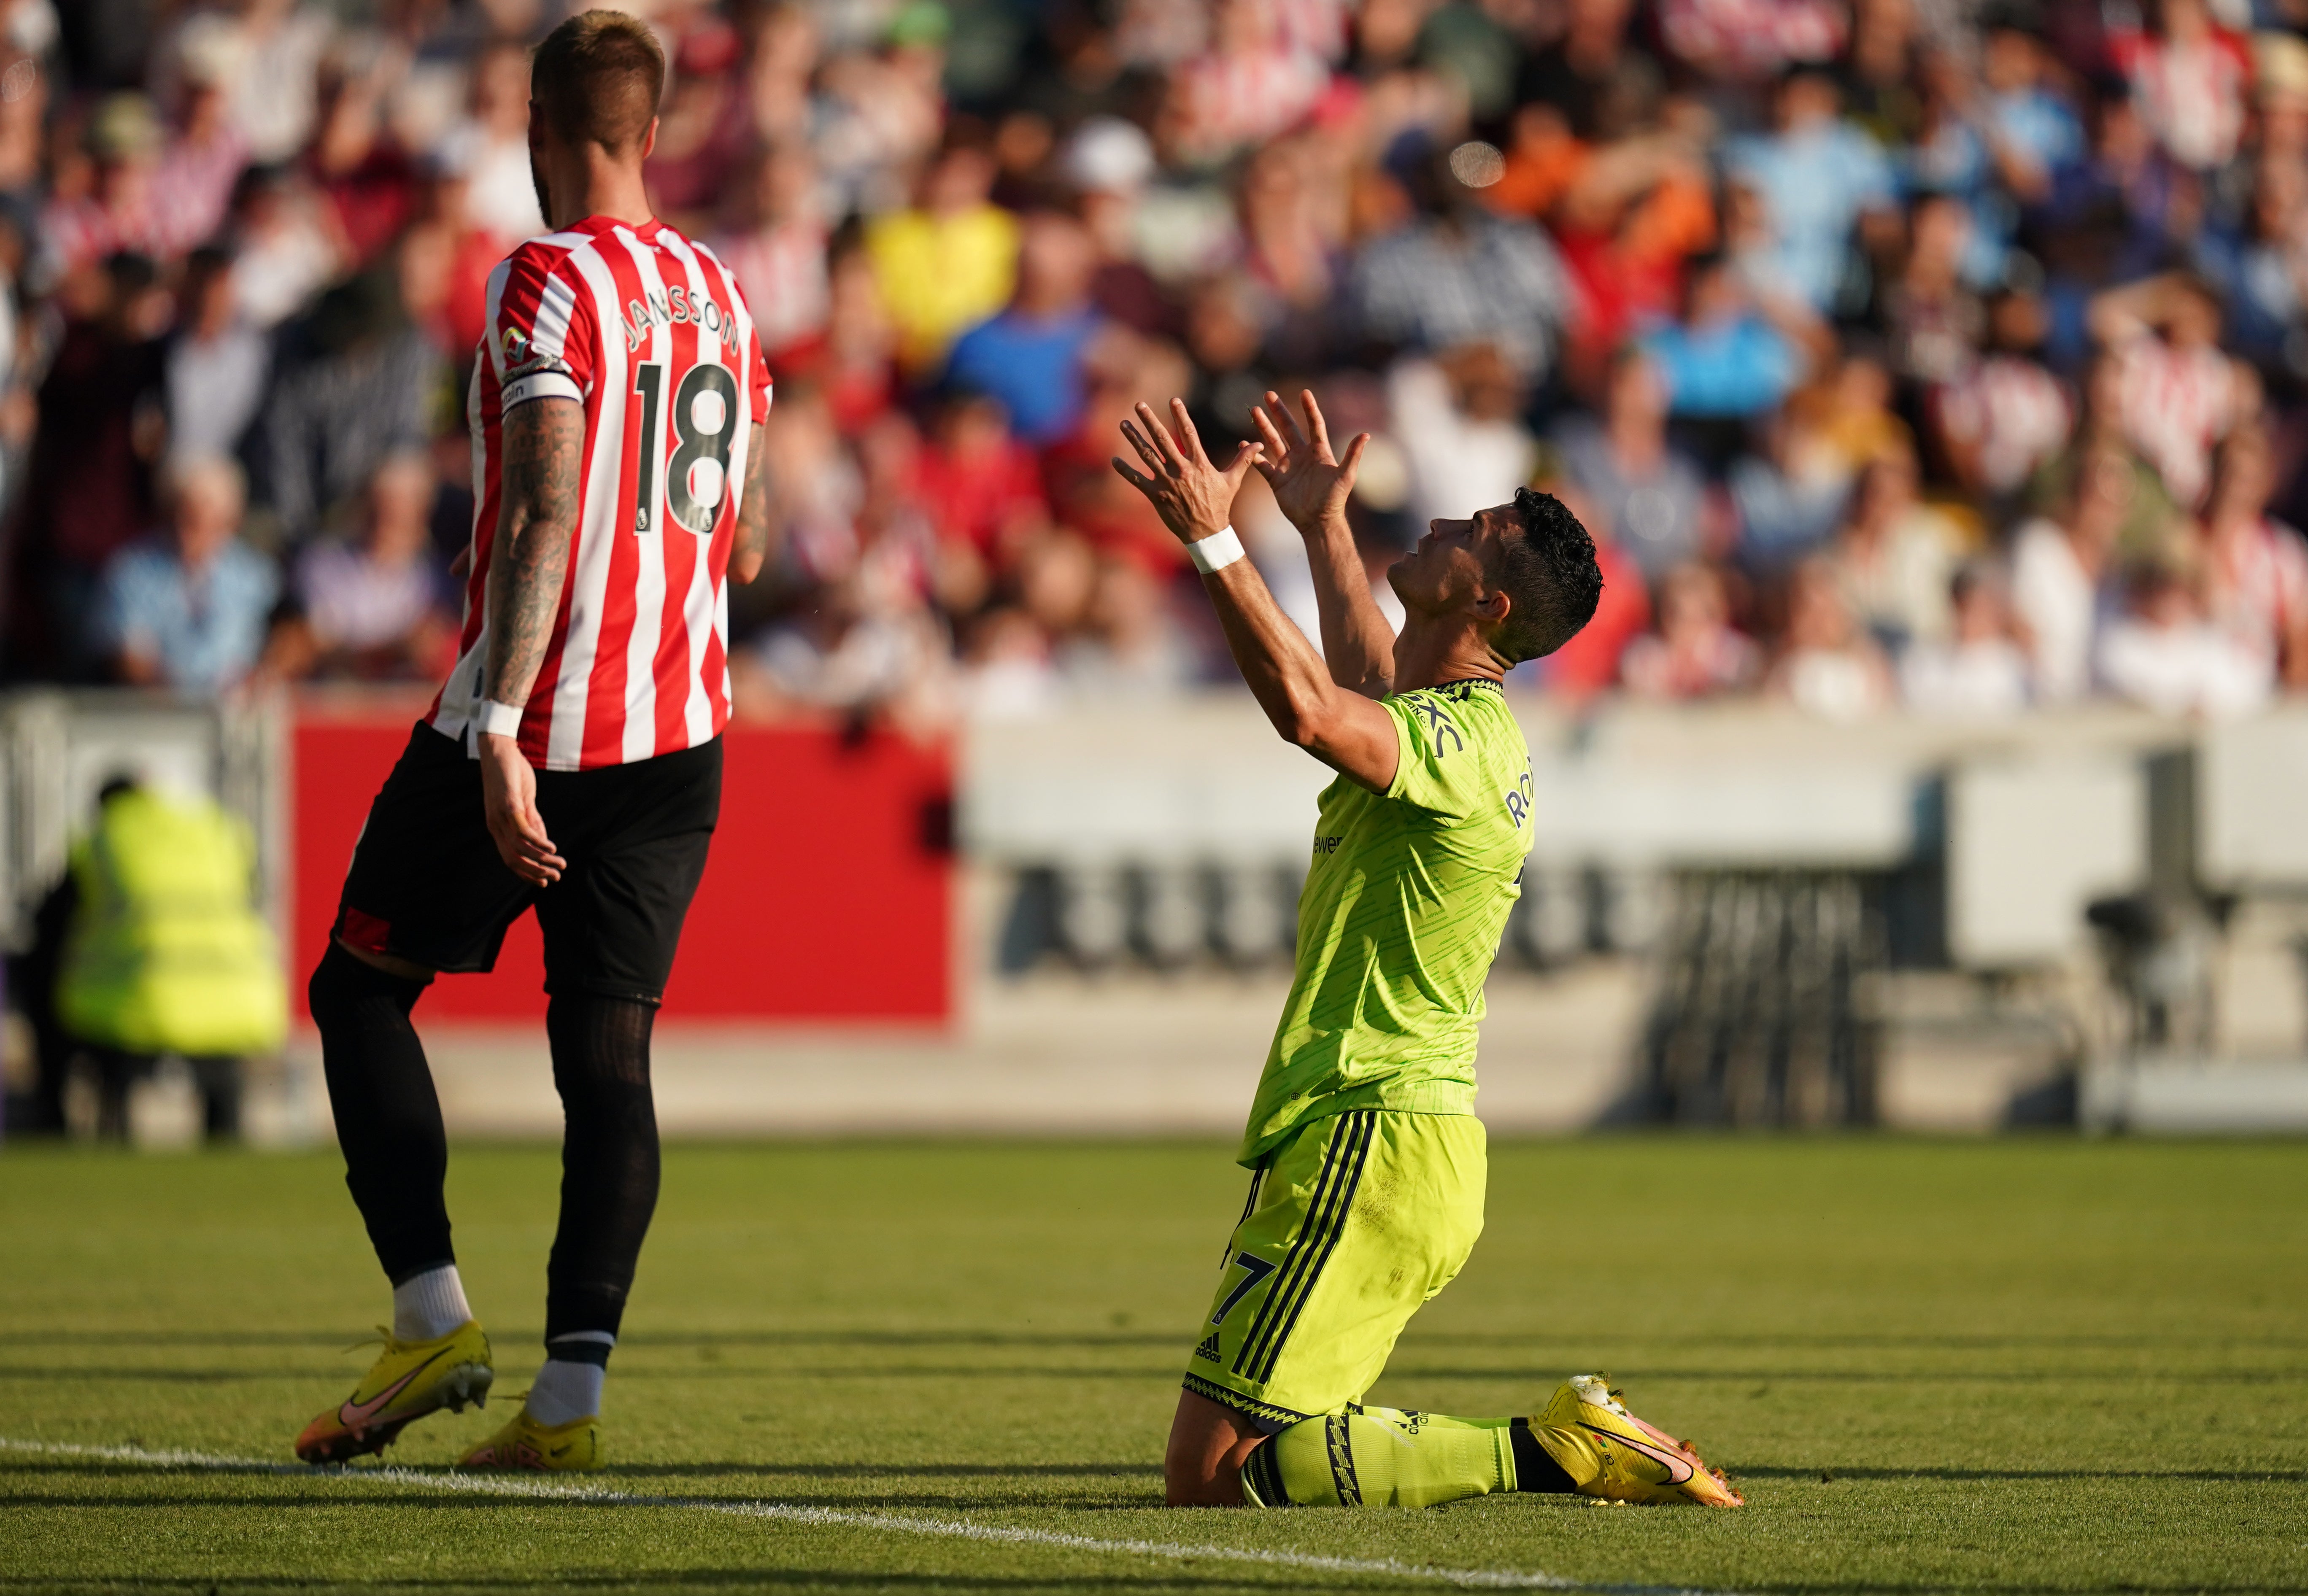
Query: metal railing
x: 59, y: 747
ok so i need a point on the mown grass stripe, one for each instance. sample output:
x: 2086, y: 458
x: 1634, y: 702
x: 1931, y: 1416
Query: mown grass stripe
x: 486, y: 1485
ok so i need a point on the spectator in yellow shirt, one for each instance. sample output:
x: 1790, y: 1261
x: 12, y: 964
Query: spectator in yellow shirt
x: 950, y: 260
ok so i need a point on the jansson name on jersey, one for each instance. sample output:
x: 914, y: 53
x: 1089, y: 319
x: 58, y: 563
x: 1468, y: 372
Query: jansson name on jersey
x: 673, y: 305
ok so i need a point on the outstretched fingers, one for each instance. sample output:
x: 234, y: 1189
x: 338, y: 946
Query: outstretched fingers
x: 1146, y: 449
x: 1285, y: 421
x: 1275, y: 457
x: 1316, y: 428
x: 1171, y: 453
x: 1188, y: 435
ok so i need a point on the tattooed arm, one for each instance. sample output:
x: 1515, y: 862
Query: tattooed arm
x: 752, y: 546
x: 544, y: 444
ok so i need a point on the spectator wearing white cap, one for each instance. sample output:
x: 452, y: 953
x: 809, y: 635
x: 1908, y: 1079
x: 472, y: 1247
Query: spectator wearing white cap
x: 1107, y: 164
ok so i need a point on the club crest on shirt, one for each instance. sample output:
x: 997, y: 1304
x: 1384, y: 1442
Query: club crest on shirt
x: 667, y: 307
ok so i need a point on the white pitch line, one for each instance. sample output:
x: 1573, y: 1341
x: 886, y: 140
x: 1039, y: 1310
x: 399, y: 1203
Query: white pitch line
x: 1488, y: 1579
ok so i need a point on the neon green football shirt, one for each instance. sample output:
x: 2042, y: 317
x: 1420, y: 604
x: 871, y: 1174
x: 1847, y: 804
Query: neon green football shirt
x: 1405, y: 898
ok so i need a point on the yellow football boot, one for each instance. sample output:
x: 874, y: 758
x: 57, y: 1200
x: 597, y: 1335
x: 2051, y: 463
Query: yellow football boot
x: 574, y: 1447
x: 409, y: 1380
x: 1609, y: 1452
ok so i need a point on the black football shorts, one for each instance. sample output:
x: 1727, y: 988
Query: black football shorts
x: 426, y: 884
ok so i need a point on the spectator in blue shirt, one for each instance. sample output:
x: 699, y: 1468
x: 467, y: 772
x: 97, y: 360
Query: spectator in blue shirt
x: 1726, y: 359
x: 1818, y: 176
x: 2034, y: 137
x: 1031, y: 356
x: 187, y: 608
x: 2257, y: 268
x: 1955, y: 154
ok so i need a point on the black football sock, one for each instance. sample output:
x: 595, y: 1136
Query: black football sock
x: 608, y: 1165
x: 1534, y: 1469
x: 388, y: 1116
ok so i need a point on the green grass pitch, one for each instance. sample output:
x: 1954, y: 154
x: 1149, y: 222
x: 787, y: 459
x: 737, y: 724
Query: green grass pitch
x: 2020, y: 1366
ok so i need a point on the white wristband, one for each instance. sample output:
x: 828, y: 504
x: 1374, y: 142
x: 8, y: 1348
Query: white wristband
x: 1216, y: 551
x: 500, y: 720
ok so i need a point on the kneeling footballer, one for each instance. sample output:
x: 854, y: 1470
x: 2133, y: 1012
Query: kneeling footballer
x: 1367, y: 1162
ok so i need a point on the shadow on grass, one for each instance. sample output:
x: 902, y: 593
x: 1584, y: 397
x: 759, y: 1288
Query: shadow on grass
x: 49, y: 1374
x: 1940, y: 1588
x: 2218, y: 1476
x: 764, y: 1578
x: 103, y: 1468
x: 671, y: 1578
x: 416, y: 1496
x: 968, y: 1338
x: 1531, y: 1374
x: 123, y: 1467
x: 884, y: 1471
x: 337, y: 1339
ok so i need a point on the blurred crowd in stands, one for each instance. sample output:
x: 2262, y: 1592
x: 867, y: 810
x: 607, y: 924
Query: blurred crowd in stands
x: 1951, y: 353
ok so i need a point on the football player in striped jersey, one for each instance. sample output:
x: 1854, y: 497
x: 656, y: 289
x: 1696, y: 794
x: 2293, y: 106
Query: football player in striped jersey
x: 571, y: 763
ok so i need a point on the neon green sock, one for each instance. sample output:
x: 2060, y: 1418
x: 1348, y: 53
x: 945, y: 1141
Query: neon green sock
x: 1381, y: 1457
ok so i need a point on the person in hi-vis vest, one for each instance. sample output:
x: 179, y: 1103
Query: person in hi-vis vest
x: 165, y: 953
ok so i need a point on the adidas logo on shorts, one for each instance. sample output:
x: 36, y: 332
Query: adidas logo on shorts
x: 1209, y: 1347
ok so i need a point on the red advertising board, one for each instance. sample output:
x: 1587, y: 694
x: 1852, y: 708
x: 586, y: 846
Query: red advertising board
x: 826, y: 897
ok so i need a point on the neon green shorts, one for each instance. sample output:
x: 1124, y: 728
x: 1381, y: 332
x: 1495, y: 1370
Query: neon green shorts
x: 1351, y: 1225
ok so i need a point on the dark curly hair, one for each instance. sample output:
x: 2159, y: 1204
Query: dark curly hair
x: 1549, y: 576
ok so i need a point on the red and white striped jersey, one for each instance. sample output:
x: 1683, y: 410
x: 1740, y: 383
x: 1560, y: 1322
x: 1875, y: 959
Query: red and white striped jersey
x: 649, y: 332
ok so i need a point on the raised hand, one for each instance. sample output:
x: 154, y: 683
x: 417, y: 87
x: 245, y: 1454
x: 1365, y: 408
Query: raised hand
x: 1193, y: 497
x: 1310, y: 483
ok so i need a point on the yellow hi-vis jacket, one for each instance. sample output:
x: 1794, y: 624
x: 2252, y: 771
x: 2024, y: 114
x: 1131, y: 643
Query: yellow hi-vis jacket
x: 167, y: 953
